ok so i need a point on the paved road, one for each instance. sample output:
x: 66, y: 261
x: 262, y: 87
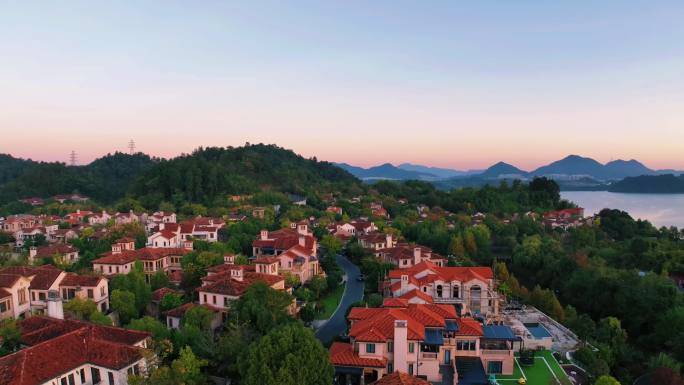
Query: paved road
x: 353, y: 292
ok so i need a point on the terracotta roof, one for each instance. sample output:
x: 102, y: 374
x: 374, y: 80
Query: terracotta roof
x: 416, y: 293
x: 182, y: 309
x: 84, y: 343
x: 4, y: 293
x: 43, y: 276
x: 457, y: 273
x: 223, y: 283
x: 377, y: 324
x: 398, y: 378
x: 72, y: 279
x: 342, y: 354
x: 159, y: 294
x: 144, y: 254
x: 285, y: 239
x: 267, y: 260
x: 469, y: 327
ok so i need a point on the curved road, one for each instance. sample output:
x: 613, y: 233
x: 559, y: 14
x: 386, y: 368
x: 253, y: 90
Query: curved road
x: 353, y: 292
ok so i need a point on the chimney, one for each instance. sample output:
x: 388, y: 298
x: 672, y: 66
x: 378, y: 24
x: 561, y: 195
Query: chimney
x: 33, y: 251
x: 116, y: 248
x: 187, y: 245
x: 302, y: 229
x: 78, y: 211
x: 54, y: 305
x: 400, y: 346
x: 264, y: 235
x: 404, y: 284
x: 302, y: 240
x: 293, y: 225
x: 236, y: 274
x: 416, y: 255
x: 161, y: 226
x: 229, y: 259
x: 388, y: 240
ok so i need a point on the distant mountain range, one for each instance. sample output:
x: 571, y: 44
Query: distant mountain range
x: 573, y: 172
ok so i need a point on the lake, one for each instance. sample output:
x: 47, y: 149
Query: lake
x: 659, y: 209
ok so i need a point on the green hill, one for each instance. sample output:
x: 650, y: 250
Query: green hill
x: 214, y: 172
x: 105, y: 179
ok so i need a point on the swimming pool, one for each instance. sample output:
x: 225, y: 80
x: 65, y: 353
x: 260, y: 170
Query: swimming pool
x: 538, y: 330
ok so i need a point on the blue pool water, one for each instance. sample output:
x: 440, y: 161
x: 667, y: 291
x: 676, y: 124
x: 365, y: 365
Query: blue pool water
x: 538, y: 331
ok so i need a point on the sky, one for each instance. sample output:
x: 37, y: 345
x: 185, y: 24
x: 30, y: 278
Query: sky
x: 443, y: 83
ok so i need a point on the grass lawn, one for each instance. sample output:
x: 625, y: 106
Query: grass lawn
x: 329, y: 303
x: 544, y: 372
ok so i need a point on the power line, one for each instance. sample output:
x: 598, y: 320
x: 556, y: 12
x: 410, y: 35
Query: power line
x: 72, y: 158
x: 131, y: 146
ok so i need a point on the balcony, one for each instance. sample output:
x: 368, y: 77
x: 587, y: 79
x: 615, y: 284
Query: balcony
x: 496, y: 352
x: 428, y: 356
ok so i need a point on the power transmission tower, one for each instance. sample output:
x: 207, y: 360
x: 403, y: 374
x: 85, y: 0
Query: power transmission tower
x: 72, y: 158
x: 131, y: 146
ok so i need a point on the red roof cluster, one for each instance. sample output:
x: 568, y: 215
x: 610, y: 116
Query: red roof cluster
x: 57, y: 346
x: 224, y: 283
x: 450, y: 273
x: 43, y: 276
x: 144, y: 254
x: 285, y: 239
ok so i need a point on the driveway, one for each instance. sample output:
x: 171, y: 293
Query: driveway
x: 353, y: 292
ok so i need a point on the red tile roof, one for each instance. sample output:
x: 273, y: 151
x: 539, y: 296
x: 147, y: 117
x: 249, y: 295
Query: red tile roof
x: 79, y: 344
x: 342, y: 354
x: 398, y: 378
x: 43, y: 276
x: 59, y: 249
x: 417, y: 293
x: 223, y: 283
x: 144, y: 254
x: 457, y: 273
x: 72, y: 279
x: 159, y: 294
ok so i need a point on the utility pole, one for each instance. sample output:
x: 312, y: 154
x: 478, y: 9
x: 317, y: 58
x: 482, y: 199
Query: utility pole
x: 72, y: 158
x: 131, y: 147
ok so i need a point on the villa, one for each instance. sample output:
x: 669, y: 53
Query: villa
x: 294, y: 247
x: 67, y: 352
x: 429, y: 341
x: 122, y: 258
x: 473, y: 290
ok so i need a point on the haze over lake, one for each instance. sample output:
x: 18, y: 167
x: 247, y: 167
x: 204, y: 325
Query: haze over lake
x: 659, y: 209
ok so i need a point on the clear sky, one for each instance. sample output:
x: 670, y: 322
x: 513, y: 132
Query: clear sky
x: 445, y: 83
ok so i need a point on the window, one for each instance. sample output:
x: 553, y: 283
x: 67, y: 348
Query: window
x: 410, y: 369
x: 466, y: 345
x: 90, y: 293
x: 205, y: 298
x: 225, y: 301
x: 455, y: 292
x: 424, y: 289
x: 4, y: 306
x: 95, y: 373
x: 390, y: 368
x: 411, y: 347
x: 102, y: 291
x: 390, y: 346
x: 72, y: 381
x: 370, y: 348
x: 439, y: 291
x: 110, y: 375
x: 22, y: 296
x: 41, y: 296
x: 494, y: 367
x: 82, y: 373
x: 214, y: 300
x: 34, y: 296
x: 63, y: 381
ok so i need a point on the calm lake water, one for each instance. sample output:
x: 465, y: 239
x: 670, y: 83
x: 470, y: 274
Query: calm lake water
x: 659, y: 209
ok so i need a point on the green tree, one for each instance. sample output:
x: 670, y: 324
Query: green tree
x: 80, y: 308
x: 158, y: 330
x: 262, y: 307
x: 199, y: 317
x: 123, y: 302
x: 10, y: 336
x: 331, y: 245
x: 170, y: 301
x: 374, y: 300
x: 318, y: 285
x: 288, y: 355
x: 100, y: 318
x: 159, y: 280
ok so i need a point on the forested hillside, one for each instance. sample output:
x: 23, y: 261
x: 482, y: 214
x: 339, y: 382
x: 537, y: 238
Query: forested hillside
x: 106, y: 179
x: 211, y: 173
